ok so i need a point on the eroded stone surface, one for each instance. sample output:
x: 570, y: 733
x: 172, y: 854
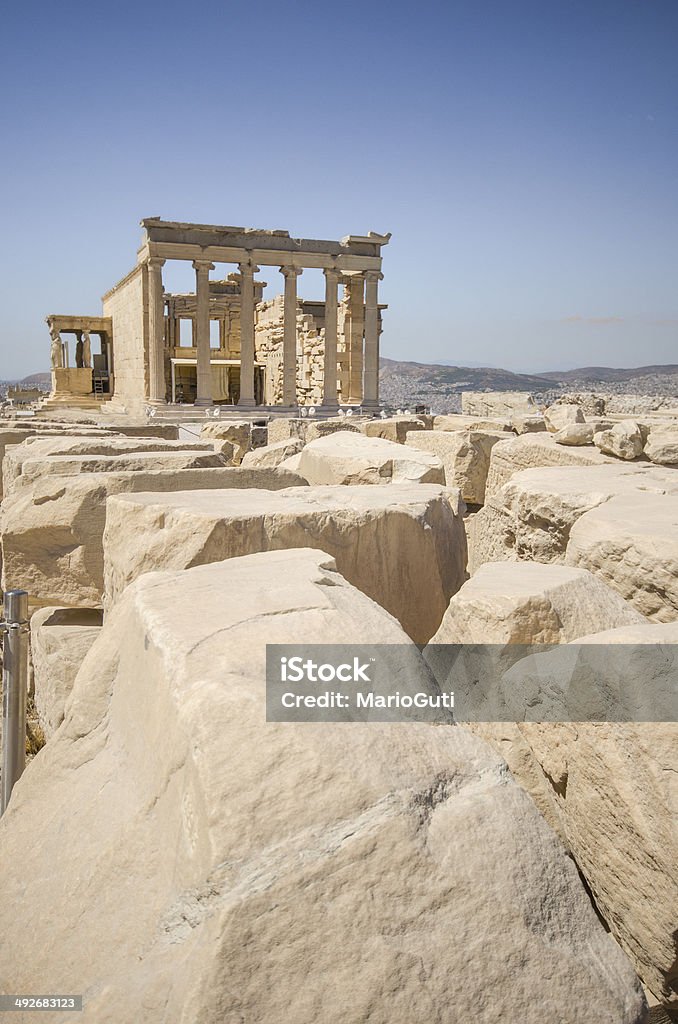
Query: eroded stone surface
x: 310, y: 429
x: 575, y: 434
x: 531, y: 451
x: 532, y: 515
x: 404, y: 546
x: 503, y: 404
x: 272, y: 455
x: 60, y: 639
x: 610, y: 791
x: 661, y: 446
x: 129, y: 462
x: 453, y: 421
x: 562, y: 415
x: 465, y: 455
x: 624, y: 440
x: 395, y: 428
x: 227, y: 868
x: 242, y: 434
x: 528, y: 603
x: 52, y: 527
x: 40, y: 448
x: 528, y: 424
x: 348, y: 458
x: 631, y: 542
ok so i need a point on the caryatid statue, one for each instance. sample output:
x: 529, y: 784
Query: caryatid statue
x: 86, y: 350
x: 78, y: 350
x: 57, y: 352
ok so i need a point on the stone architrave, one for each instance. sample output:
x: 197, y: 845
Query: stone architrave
x: 202, y: 328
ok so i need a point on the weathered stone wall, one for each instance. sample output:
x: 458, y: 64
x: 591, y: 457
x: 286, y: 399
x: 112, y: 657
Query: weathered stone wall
x: 268, y: 341
x: 127, y: 305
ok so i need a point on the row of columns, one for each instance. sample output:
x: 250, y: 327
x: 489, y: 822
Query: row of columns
x: 248, y: 269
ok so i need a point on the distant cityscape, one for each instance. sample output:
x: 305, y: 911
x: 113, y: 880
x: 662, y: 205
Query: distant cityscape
x: 439, y: 386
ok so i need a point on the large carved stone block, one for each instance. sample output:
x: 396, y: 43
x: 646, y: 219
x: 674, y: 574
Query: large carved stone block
x: 531, y: 517
x: 610, y: 791
x: 348, y: 458
x: 206, y: 865
x: 52, y: 527
x: 40, y: 448
x: 631, y: 542
x: 531, y: 603
x: 72, y: 381
x: 404, y: 545
x: 532, y: 451
x: 60, y: 639
x: 465, y: 455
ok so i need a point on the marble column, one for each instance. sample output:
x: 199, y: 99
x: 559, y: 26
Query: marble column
x: 156, y: 325
x: 289, y: 365
x: 247, y: 272
x: 330, y: 362
x: 355, y: 285
x: 202, y: 331
x: 371, y: 385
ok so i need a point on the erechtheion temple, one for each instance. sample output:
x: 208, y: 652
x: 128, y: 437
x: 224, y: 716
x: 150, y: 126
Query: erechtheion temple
x: 223, y: 344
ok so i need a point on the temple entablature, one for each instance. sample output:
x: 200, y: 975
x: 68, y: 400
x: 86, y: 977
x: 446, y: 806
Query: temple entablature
x: 222, y: 343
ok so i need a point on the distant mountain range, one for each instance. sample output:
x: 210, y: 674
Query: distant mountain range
x: 440, y: 386
x: 410, y: 381
x: 465, y: 378
x: 608, y: 373
x: 501, y: 380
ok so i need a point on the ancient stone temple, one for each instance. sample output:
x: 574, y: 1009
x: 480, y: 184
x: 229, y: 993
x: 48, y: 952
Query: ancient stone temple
x: 223, y: 344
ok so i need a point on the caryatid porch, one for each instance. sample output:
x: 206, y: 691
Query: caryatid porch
x: 81, y: 372
x: 354, y: 261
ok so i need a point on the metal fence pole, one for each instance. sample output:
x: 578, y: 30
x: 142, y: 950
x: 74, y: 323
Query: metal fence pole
x: 14, y: 689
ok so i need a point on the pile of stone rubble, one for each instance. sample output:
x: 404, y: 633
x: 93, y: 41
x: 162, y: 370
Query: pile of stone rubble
x: 181, y: 859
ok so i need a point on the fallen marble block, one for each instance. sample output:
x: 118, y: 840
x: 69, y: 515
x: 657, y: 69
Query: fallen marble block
x: 52, y: 527
x: 532, y: 515
x: 404, y: 546
x: 631, y: 543
x: 60, y: 639
x: 531, y: 603
x: 204, y: 865
x: 534, y: 451
x: 350, y: 458
x: 465, y: 455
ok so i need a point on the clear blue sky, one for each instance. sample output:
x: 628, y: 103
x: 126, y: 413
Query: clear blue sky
x: 524, y: 155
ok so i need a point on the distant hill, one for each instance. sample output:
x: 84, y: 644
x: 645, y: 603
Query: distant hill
x: 439, y: 386
x: 606, y: 374
x: 37, y: 380
x: 466, y: 378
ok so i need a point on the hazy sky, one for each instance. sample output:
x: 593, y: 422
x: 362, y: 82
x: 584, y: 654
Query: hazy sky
x: 524, y: 155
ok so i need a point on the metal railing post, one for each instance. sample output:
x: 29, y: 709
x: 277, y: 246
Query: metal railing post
x: 14, y: 690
